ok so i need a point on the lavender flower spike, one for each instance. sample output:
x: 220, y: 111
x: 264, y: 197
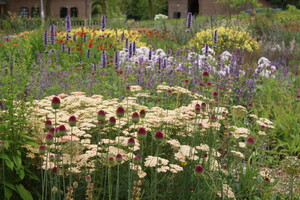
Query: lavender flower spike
x: 68, y: 23
x: 206, y: 50
x: 117, y: 61
x: 103, y: 22
x: 45, y: 38
x: 52, y: 34
x: 215, y: 36
x: 189, y: 20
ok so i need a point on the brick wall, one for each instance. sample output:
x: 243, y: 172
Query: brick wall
x: 177, y: 6
x: 82, y: 6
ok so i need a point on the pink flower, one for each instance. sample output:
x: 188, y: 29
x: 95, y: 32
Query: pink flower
x: 42, y: 149
x: 119, y: 158
x: 159, y: 136
x: 143, y: 113
x: 250, y: 142
x: 49, y: 139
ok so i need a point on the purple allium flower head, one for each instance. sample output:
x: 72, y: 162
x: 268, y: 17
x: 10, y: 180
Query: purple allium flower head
x: 137, y: 159
x: 120, y: 112
x: 48, y: 124
x: 101, y: 115
x: 103, y: 60
x: 72, y: 121
x: 46, y: 38
x: 141, y: 133
x: 189, y: 20
x: 143, y: 113
x: 215, y: 36
x: 42, y: 149
x: 159, y: 136
x: 68, y: 23
x: 199, y: 169
x: 52, y: 34
x: 119, y: 158
x: 131, y: 142
x: 103, y: 22
x: 55, y: 103
x: 112, y: 121
x: 135, y: 117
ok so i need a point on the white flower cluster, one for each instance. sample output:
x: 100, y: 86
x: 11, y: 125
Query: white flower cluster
x: 160, y: 17
x: 265, y: 68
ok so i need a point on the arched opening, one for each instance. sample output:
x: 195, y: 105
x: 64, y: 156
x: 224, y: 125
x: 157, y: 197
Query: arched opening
x: 63, y: 12
x: 74, y: 12
x: 193, y: 6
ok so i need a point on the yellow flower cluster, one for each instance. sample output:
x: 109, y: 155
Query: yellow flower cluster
x: 115, y: 35
x: 227, y: 39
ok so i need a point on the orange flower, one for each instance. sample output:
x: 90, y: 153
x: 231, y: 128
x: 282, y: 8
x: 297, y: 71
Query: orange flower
x: 16, y: 44
x: 90, y: 45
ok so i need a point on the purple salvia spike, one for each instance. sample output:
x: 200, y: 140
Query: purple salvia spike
x: 130, y: 50
x: 126, y: 44
x: 122, y: 36
x: 206, y: 50
x: 67, y: 36
x: 165, y: 63
x: 68, y: 23
x: 52, y: 33
x: 45, y: 38
x: 88, y: 53
x: 189, y: 20
x: 63, y: 47
x: 133, y: 47
x: 74, y: 38
x: 215, y: 36
x: 103, y: 60
x: 117, y: 59
x: 150, y: 54
x: 84, y: 38
x: 69, y: 50
x: 103, y: 22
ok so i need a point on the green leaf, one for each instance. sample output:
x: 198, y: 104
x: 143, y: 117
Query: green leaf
x: 32, y: 143
x: 9, y: 164
x: 8, y: 193
x: 18, y: 162
x: 11, y: 186
x: 25, y: 194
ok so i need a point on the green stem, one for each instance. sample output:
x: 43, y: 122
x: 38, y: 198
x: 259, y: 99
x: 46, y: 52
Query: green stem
x: 3, y: 179
x: 118, y: 183
x: 109, y: 184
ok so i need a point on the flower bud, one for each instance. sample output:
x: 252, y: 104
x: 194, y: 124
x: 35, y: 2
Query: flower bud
x: 55, y: 103
x: 62, y: 130
x: 197, y: 108
x: 112, y: 121
x: 141, y: 134
x: 159, y: 136
x: 54, y: 170
x: 142, y: 113
x: 137, y: 159
x: 119, y: 158
x: 75, y: 184
x: 72, y: 121
x: 101, y: 115
x: 54, y: 190
x: 135, y: 117
x: 88, y: 178
x: 205, y: 76
x: 110, y: 161
x: 199, y: 170
x: 42, y: 149
x: 49, y: 139
x: 120, y: 112
x: 250, y: 142
x: 131, y: 142
x: 48, y: 125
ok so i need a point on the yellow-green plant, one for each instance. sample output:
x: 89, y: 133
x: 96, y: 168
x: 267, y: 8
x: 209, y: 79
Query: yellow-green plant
x: 228, y: 38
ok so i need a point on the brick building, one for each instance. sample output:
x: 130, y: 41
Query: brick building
x: 52, y: 8
x: 180, y: 8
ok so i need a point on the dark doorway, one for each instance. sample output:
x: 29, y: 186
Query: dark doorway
x: 63, y: 12
x: 2, y: 10
x: 193, y: 6
x: 35, y: 12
